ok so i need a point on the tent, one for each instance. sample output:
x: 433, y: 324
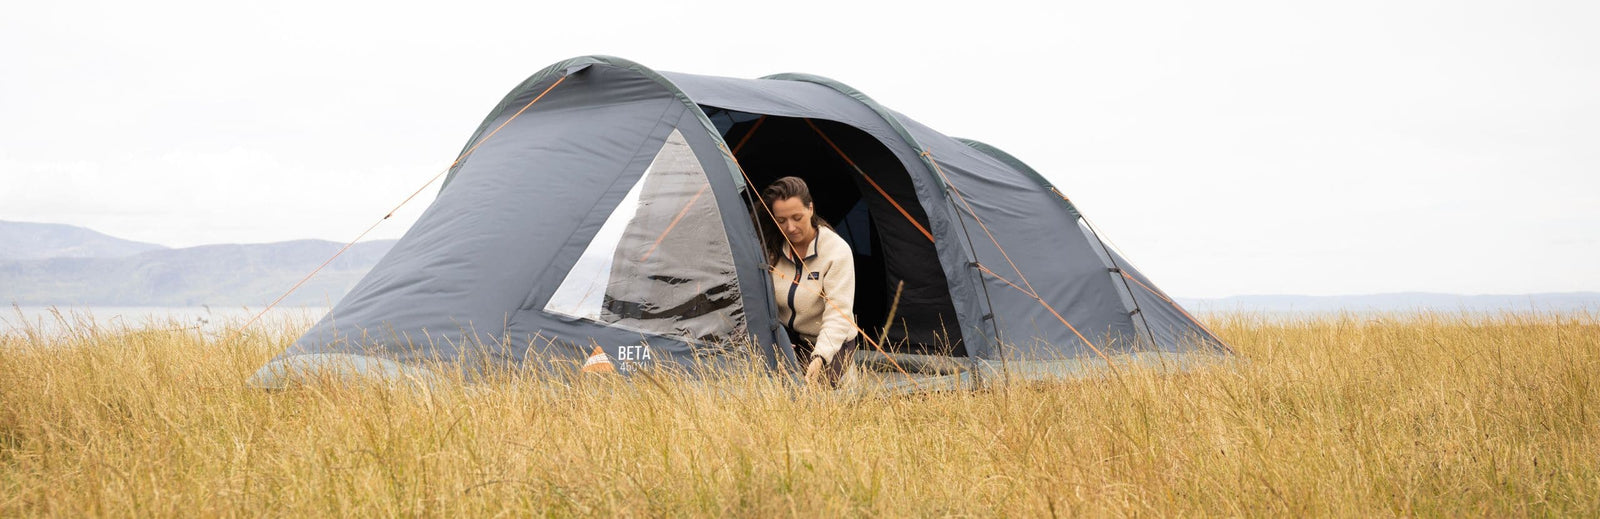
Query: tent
x: 605, y: 213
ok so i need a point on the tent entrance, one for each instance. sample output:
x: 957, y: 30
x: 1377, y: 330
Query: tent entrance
x: 874, y: 208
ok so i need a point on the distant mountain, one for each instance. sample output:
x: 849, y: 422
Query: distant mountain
x: 1399, y: 302
x: 52, y: 264
x: 27, y: 240
x: 228, y: 275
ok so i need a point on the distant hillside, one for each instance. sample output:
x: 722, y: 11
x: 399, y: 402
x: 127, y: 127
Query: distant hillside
x: 234, y: 275
x: 1405, y: 301
x: 52, y: 264
x: 27, y: 240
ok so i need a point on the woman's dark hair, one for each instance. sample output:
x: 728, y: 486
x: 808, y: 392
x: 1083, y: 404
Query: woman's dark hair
x: 780, y: 189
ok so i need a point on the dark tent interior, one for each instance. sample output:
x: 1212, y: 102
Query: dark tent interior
x: 874, y: 208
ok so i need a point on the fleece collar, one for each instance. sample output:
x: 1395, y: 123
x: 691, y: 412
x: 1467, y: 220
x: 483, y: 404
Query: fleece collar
x: 811, y: 251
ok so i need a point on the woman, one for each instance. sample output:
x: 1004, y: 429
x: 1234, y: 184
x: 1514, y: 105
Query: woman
x: 814, y: 278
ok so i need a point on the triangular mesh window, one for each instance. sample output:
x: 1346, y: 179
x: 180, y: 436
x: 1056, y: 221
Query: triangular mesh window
x: 661, y: 263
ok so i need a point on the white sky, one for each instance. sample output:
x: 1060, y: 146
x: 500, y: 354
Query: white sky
x: 1227, y: 147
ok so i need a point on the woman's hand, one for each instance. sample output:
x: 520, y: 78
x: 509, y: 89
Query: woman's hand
x: 814, y: 372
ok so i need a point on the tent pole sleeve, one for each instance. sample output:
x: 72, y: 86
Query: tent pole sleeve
x: 1111, y: 261
x: 994, y: 319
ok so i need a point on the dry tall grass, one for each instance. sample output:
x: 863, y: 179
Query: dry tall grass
x: 1426, y: 414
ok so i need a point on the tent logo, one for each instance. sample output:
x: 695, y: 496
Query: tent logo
x: 814, y: 275
x: 628, y: 356
x: 631, y: 356
x: 634, y: 353
x: 598, y: 362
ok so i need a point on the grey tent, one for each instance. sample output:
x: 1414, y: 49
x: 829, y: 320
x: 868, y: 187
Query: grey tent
x: 603, y: 207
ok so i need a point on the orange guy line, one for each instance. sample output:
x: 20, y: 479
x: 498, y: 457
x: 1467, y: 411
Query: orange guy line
x: 874, y: 185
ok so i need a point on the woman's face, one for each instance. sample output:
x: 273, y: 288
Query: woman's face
x: 794, y: 219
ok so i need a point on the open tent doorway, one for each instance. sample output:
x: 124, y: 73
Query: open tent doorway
x: 863, y: 191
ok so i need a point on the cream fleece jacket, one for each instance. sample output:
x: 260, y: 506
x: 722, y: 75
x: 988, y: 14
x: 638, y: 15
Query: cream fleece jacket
x: 805, y: 290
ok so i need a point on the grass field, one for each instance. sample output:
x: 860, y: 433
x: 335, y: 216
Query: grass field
x: 1393, y: 415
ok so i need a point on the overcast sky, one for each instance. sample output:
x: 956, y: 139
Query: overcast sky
x: 1226, y: 147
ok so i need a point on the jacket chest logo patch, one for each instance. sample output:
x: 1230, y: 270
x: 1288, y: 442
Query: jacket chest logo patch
x: 814, y: 275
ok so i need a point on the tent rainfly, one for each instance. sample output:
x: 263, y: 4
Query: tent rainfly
x: 605, y: 212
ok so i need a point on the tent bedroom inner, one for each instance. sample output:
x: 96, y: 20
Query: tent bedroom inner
x: 874, y: 208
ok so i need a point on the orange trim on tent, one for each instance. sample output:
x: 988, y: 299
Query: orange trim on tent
x: 975, y: 217
x: 863, y: 174
x: 1174, y: 304
x: 1030, y: 291
x: 1052, y: 312
x: 748, y: 135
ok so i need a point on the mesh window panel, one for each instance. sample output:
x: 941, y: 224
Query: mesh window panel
x: 661, y: 263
